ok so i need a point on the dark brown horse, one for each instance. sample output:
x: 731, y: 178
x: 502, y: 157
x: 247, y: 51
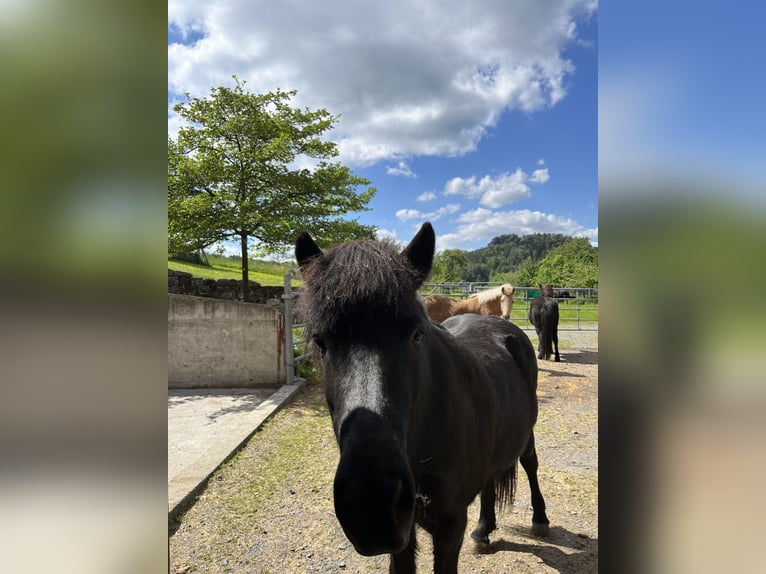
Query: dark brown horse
x: 426, y: 416
x: 496, y: 301
x: 544, y: 315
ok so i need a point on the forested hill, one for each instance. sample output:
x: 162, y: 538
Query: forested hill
x: 506, y: 253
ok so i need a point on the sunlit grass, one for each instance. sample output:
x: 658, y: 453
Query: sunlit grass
x: 572, y: 315
x: 263, y: 272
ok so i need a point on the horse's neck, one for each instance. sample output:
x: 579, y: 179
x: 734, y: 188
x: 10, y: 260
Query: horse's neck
x: 443, y: 359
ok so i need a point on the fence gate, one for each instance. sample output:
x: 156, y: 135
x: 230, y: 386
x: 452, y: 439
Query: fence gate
x: 295, y: 333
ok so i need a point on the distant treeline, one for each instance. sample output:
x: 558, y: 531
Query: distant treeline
x: 527, y: 260
x: 507, y: 252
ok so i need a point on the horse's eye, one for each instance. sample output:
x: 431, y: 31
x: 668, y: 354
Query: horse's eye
x: 417, y: 336
x: 319, y: 343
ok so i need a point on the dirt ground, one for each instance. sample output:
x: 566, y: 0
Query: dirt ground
x: 270, y: 509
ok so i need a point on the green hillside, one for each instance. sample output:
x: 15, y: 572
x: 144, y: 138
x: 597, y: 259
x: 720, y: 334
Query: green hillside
x: 219, y: 267
x: 506, y: 253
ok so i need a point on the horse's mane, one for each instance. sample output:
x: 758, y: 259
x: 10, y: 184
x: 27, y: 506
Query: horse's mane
x: 491, y: 294
x: 369, y: 277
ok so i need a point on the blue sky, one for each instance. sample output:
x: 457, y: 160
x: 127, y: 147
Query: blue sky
x: 681, y: 98
x: 481, y: 119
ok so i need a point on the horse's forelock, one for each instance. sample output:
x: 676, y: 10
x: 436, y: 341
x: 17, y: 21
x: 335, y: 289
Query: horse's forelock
x: 365, y: 277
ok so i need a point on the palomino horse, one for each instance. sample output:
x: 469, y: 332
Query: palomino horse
x: 426, y: 416
x: 544, y: 315
x: 495, y: 301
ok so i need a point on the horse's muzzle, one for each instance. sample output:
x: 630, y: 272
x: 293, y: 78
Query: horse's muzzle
x: 374, y: 489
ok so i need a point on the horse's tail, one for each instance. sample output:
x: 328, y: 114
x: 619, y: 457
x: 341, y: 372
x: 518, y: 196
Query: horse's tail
x: 505, y: 487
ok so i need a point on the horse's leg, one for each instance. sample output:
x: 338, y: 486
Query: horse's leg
x: 404, y: 561
x: 529, y: 463
x: 556, y: 332
x: 486, y: 516
x: 448, y: 538
x: 539, y: 342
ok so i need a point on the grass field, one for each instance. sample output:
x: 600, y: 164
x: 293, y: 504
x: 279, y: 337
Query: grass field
x: 263, y: 272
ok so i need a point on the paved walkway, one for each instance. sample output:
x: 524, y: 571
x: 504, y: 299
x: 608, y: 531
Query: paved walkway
x: 206, y: 426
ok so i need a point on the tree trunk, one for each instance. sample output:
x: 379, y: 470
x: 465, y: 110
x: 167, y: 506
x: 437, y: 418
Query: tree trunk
x: 245, y: 277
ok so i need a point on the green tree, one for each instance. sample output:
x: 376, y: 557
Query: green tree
x: 511, y: 277
x: 527, y: 273
x: 449, y: 266
x: 573, y: 264
x: 232, y: 174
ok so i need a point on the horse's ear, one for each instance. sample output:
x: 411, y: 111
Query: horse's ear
x: 420, y: 251
x: 305, y: 249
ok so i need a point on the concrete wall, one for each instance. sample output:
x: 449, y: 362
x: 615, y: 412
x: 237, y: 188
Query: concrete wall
x: 214, y: 343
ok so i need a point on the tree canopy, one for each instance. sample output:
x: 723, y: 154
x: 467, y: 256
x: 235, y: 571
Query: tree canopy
x: 448, y: 266
x: 235, y: 172
x: 573, y: 264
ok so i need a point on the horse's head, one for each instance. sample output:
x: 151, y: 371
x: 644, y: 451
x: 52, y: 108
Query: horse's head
x: 546, y: 290
x: 367, y: 324
x: 506, y: 300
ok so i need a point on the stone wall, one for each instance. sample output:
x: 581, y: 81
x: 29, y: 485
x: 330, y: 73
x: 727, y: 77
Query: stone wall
x: 182, y: 283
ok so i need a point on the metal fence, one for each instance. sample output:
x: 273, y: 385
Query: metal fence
x: 578, y: 311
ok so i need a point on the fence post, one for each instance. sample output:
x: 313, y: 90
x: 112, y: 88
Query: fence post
x: 287, y: 296
x: 577, y: 307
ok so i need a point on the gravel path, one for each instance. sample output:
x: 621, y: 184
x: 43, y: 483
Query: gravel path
x: 270, y: 509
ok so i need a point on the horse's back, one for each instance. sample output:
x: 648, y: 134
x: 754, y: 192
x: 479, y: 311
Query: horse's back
x: 501, y: 346
x: 438, y: 307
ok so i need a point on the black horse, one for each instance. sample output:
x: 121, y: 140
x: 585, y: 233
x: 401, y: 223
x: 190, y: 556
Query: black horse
x: 426, y: 416
x: 544, y: 315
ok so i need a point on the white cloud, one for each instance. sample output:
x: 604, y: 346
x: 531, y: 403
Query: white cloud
x: 402, y: 169
x: 430, y: 83
x: 540, y: 162
x: 506, y: 189
x: 459, y: 186
x: 408, y: 214
x: 495, y: 192
x: 390, y: 234
x: 540, y: 176
x: 590, y: 234
x: 477, y: 227
x: 426, y: 196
